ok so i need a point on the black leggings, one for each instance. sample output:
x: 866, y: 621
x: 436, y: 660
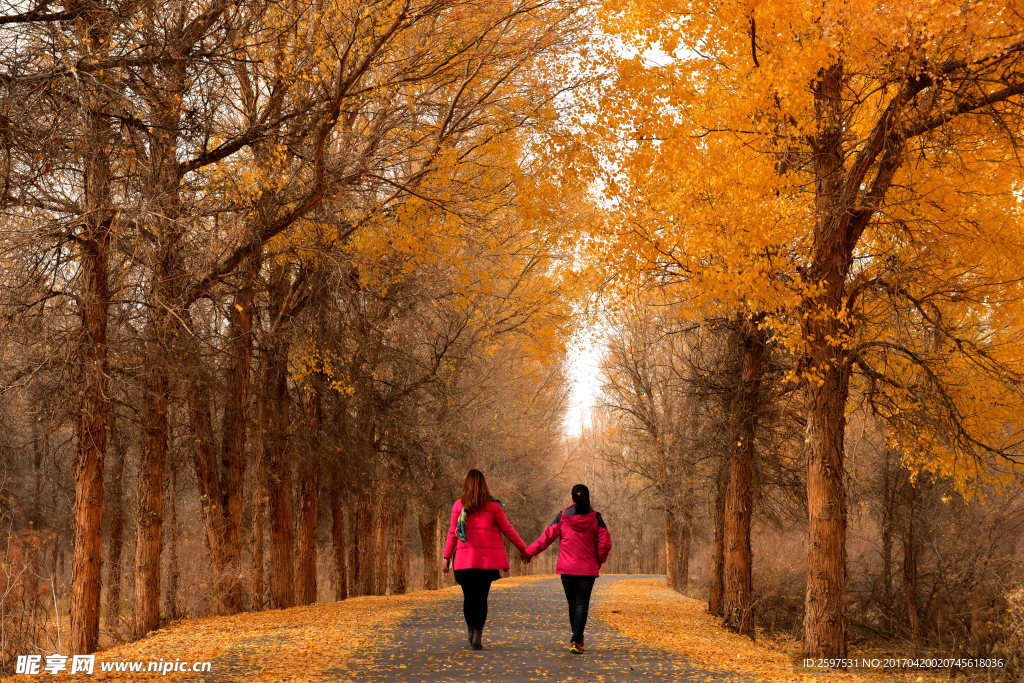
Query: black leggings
x: 577, y: 592
x: 476, y: 584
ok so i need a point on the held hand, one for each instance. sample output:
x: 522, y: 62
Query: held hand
x: 525, y: 557
x: 446, y: 566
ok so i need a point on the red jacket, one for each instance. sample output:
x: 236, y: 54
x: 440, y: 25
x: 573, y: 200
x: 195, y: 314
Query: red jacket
x: 483, y: 548
x: 585, y: 542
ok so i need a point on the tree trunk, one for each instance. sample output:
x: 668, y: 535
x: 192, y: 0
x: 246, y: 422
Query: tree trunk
x: 738, y: 599
x: 356, y: 545
x: 716, y: 586
x: 173, y: 568
x: 309, y: 497
x: 117, y: 522
x: 149, y: 520
x: 910, y: 568
x: 398, y: 570
x: 428, y: 541
x: 825, y: 620
x: 686, y: 531
x: 338, y: 539
x: 233, y: 438
x: 207, y: 479
x: 279, y: 485
x: 367, y: 550
x: 380, y: 530
x: 279, y: 475
x: 91, y: 357
x: 825, y: 615
x: 888, y: 527
x: 671, y: 543
x: 259, y: 514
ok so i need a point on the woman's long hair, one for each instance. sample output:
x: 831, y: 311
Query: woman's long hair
x: 581, y: 497
x: 476, y: 494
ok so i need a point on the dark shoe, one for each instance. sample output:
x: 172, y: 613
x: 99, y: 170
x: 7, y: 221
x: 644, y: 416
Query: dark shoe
x: 469, y: 635
x: 475, y: 639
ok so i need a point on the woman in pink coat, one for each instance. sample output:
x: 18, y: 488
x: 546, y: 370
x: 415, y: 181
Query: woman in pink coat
x: 474, y: 538
x: 584, y: 548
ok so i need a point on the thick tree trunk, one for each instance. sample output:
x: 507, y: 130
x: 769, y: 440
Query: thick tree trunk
x: 207, y: 479
x: 428, y: 541
x: 356, y: 546
x: 149, y: 519
x: 716, y: 586
x: 309, y: 498
x: 279, y: 484
x: 173, y: 570
x: 825, y: 620
x: 279, y: 476
x: 738, y: 597
x: 91, y: 353
x: 888, y: 523
x: 380, y: 558
x: 823, y: 317
x: 910, y: 568
x: 259, y: 518
x: 115, y: 499
x: 338, y: 539
x: 398, y: 569
x: 233, y: 439
x: 367, y: 538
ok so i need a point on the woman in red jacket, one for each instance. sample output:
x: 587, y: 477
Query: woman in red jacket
x: 584, y: 548
x: 478, y: 521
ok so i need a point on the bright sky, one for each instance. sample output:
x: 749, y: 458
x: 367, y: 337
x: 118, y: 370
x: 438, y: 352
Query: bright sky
x: 584, y: 373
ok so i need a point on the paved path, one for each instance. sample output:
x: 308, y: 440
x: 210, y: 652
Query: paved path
x: 525, y: 639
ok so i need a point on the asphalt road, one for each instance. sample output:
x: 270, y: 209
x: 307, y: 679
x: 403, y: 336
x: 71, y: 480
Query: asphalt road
x: 526, y: 639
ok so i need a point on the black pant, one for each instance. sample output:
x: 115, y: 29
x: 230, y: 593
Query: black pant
x: 577, y: 592
x: 476, y: 584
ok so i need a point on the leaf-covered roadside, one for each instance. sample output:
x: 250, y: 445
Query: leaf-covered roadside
x: 301, y: 643
x: 310, y: 643
x: 647, y: 609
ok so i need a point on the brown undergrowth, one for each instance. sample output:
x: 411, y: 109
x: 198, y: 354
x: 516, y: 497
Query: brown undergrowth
x: 648, y: 609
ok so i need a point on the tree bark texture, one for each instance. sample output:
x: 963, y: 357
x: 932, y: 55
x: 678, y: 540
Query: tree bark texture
x: 398, y: 567
x: 910, y: 567
x: 338, y: 539
x: 716, y: 585
x: 380, y: 532
x: 162, y: 196
x: 825, y: 614
x: 149, y: 519
x: 427, y: 523
x: 117, y: 523
x: 738, y: 596
x: 309, y: 498
x: 356, y: 546
x: 91, y: 356
x: 173, y: 568
x: 279, y: 483
x: 233, y: 437
x: 257, y: 539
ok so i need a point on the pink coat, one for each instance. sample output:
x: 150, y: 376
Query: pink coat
x: 483, y: 548
x: 585, y: 542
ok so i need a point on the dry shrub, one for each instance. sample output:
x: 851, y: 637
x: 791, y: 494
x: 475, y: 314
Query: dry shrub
x: 779, y: 576
x: 27, y: 601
